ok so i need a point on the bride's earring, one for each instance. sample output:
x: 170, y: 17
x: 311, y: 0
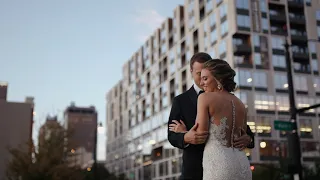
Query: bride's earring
x: 219, y: 87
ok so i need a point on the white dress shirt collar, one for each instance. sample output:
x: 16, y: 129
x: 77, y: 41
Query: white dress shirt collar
x: 196, y: 88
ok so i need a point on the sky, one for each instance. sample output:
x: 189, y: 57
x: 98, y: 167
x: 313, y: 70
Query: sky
x: 63, y: 51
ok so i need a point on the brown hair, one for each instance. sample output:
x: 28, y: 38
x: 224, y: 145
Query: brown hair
x: 222, y: 71
x: 199, y: 57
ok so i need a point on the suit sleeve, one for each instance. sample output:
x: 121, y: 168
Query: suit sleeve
x: 175, y: 139
x: 250, y: 133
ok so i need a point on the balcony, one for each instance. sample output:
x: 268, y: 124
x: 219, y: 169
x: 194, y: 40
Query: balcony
x: 277, y: 16
x: 241, y: 49
x: 241, y: 44
x: 300, y: 55
x: 278, y: 31
x: 297, y: 19
x: 299, y: 37
x: 295, y: 3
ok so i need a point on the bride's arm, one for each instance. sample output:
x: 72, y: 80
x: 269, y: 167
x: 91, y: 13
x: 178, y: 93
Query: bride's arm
x: 202, y: 113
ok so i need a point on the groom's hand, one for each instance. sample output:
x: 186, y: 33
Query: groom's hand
x: 194, y: 137
x: 243, y: 141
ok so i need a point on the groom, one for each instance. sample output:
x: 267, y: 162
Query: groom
x: 184, y: 108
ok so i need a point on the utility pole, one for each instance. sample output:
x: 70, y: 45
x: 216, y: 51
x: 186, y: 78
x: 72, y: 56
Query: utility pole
x: 293, y: 137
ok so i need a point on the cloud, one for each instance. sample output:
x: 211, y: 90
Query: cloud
x: 149, y: 20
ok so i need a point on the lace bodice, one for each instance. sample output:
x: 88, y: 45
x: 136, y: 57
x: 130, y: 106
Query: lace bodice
x: 221, y: 128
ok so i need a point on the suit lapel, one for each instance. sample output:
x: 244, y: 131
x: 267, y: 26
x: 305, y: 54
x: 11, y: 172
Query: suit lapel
x: 193, y: 96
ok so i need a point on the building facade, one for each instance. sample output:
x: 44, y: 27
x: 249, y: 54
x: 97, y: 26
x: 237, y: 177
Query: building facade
x: 81, y: 124
x: 249, y: 34
x: 16, y: 121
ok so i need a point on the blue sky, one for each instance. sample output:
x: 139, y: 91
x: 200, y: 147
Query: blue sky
x: 72, y: 50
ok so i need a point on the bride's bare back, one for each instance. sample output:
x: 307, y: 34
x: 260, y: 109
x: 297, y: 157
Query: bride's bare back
x: 227, y: 114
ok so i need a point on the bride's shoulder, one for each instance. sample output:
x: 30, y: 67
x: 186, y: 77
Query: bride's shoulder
x: 208, y: 96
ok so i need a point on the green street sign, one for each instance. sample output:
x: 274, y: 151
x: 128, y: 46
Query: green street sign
x: 282, y: 125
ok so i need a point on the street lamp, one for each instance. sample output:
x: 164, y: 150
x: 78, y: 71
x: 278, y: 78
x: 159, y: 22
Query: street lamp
x: 263, y: 144
x: 293, y: 137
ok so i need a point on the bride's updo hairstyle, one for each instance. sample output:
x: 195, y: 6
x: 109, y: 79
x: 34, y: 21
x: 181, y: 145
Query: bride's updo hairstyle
x: 222, y: 71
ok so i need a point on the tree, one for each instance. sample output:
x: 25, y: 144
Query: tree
x: 49, y: 160
x: 46, y: 162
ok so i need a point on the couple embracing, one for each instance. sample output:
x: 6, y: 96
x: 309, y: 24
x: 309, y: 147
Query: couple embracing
x: 209, y: 124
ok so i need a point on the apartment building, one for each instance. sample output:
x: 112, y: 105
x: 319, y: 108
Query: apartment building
x: 249, y: 34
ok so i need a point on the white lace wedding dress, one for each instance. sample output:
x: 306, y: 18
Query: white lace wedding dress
x: 220, y: 160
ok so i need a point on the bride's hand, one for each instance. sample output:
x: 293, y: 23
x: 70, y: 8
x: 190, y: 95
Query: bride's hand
x: 177, y: 126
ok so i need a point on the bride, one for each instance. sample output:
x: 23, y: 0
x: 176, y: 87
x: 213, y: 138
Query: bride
x: 223, y: 115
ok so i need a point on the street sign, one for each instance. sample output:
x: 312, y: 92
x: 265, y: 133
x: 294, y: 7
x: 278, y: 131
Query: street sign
x: 282, y: 125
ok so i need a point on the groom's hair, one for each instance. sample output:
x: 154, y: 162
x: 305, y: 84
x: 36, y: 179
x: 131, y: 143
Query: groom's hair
x: 200, y: 57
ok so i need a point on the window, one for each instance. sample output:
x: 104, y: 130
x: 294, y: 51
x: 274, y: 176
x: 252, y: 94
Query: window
x: 191, y: 6
x: 316, y: 84
x: 263, y: 126
x: 264, y: 102
x: 191, y: 22
x: 300, y: 83
x: 218, y: 1
x: 278, y: 61
x: 212, y: 19
x: 315, y: 65
x: 243, y: 97
x: 318, y: 31
x: 154, y: 42
x: 243, y: 21
x: 256, y: 40
x: 172, y: 67
x: 257, y: 59
x: 245, y: 78
x: 209, y: 6
x: 224, y: 28
x: 178, y: 50
x: 222, y: 47
x: 260, y: 79
x: 212, y: 53
x: 263, y: 6
x: 265, y: 24
x: 280, y: 81
x: 318, y: 15
x: 304, y: 101
x: 164, y: 89
x: 205, y: 29
x: 163, y: 35
x: 312, y: 47
x: 163, y: 48
x: 213, y: 36
x: 282, y: 102
x: 242, y: 4
x: 277, y: 43
x: 188, y: 55
x: 207, y: 41
x: 223, y: 10
x: 305, y: 128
